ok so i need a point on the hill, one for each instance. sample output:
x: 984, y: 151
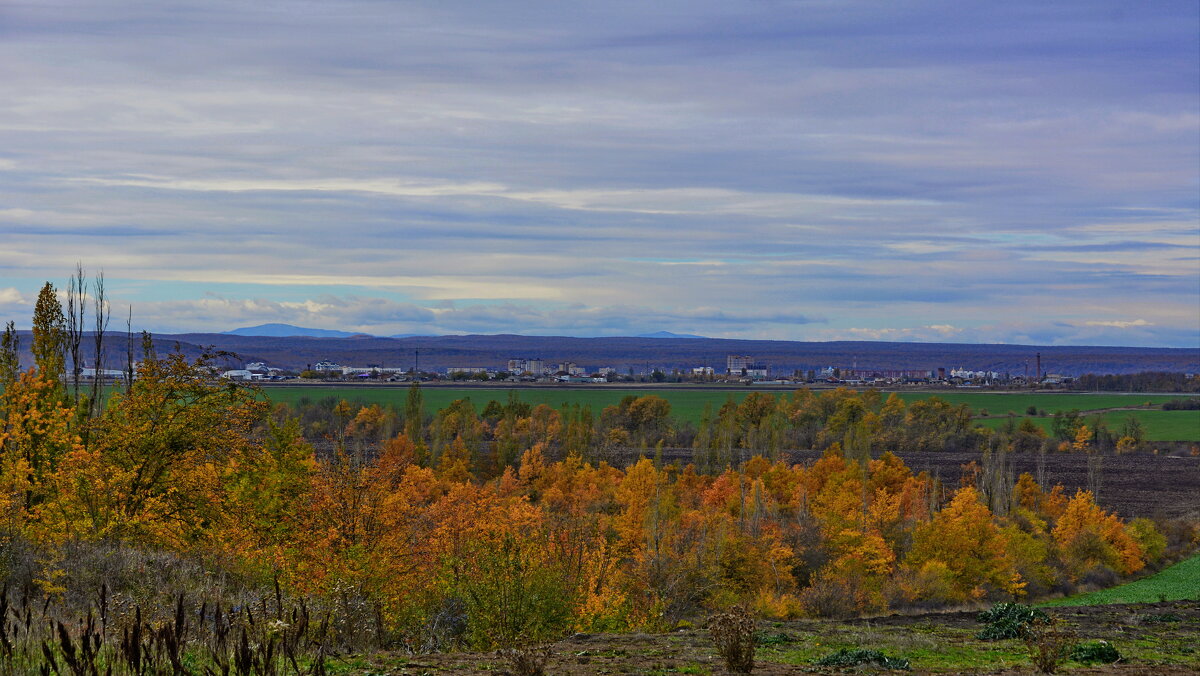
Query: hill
x: 287, y: 331
x: 639, y: 353
x: 642, y: 354
x: 668, y: 334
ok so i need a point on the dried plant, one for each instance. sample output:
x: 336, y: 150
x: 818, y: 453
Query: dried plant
x: 1049, y: 642
x: 733, y: 635
x: 527, y: 660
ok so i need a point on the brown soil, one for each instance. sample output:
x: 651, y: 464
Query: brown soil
x: 1143, y: 485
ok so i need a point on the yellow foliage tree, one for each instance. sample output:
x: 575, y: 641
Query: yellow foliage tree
x: 965, y: 540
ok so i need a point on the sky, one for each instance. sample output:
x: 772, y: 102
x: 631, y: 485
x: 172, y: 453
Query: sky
x: 1014, y: 172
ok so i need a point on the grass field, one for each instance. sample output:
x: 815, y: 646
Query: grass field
x: 1001, y: 403
x: 1159, y: 425
x: 685, y: 404
x: 1180, y: 582
x: 689, y: 404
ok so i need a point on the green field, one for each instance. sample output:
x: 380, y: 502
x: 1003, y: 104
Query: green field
x: 1180, y: 582
x: 685, y: 404
x: 688, y: 404
x: 1158, y: 425
x: 1001, y: 403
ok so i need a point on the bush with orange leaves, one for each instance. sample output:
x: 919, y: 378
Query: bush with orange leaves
x: 1088, y: 537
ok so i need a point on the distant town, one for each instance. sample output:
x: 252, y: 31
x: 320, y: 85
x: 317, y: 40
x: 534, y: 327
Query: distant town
x: 738, y: 368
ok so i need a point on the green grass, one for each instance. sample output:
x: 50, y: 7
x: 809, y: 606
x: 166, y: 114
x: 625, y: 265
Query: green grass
x: 1180, y: 582
x: 936, y: 649
x: 685, y: 404
x: 1158, y: 425
x: 1002, y: 403
x: 689, y: 403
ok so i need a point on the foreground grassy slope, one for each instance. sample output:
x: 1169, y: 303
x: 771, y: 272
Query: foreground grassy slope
x: 1155, y: 639
x: 1180, y: 582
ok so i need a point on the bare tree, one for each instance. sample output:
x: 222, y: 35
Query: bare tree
x: 129, y: 352
x: 100, y: 313
x: 76, y: 291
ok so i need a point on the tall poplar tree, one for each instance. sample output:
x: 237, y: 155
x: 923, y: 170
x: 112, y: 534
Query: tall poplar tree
x: 414, y: 414
x: 49, y: 335
x: 10, y: 356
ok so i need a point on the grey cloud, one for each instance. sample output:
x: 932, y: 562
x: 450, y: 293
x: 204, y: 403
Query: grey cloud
x: 921, y: 161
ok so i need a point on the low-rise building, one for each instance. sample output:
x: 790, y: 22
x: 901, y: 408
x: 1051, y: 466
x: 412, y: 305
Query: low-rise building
x: 241, y: 375
x: 470, y: 370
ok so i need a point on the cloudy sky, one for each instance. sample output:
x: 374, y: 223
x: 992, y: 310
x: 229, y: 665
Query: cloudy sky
x: 813, y: 170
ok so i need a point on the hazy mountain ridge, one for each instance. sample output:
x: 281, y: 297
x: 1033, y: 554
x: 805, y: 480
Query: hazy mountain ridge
x: 494, y: 351
x: 437, y: 352
x: 288, y: 331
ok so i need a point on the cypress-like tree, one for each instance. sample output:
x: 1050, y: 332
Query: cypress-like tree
x: 49, y: 335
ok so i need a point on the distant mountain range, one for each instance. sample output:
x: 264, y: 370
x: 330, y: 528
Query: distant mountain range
x: 676, y: 352
x: 288, y: 331
x: 668, y: 334
x: 642, y: 353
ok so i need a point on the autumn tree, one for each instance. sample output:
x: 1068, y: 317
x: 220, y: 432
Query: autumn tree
x: 49, y: 335
x: 161, y: 455
x: 10, y: 357
x: 1088, y: 537
x: 963, y: 548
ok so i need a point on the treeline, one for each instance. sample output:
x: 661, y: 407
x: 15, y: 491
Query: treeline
x: 862, y: 424
x: 1148, y: 381
x: 501, y: 527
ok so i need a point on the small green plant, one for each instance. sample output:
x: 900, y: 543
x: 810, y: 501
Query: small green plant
x: 1091, y: 652
x: 847, y: 657
x: 1049, y: 642
x: 1008, y: 620
x: 769, y: 639
x: 1158, y: 619
x: 733, y: 635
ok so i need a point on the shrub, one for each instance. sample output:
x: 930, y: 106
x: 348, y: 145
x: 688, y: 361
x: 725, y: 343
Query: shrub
x: 1090, y: 652
x: 1008, y: 620
x: 527, y: 660
x: 829, y: 598
x: 847, y: 657
x: 733, y: 635
x: 777, y: 638
x: 1049, y: 642
x: 1183, y: 404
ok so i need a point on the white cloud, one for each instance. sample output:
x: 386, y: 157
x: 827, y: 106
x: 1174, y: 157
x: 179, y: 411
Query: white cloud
x: 1120, y: 324
x: 11, y: 299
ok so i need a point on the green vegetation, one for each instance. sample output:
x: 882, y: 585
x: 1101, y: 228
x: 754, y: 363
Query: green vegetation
x: 1159, y: 425
x: 1008, y: 620
x: 1180, y: 582
x: 1091, y: 652
x: 863, y: 656
x: 927, y: 648
x: 688, y: 404
x: 1003, y: 403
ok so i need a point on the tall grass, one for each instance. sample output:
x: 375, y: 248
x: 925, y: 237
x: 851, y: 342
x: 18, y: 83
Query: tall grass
x: 271, y: 639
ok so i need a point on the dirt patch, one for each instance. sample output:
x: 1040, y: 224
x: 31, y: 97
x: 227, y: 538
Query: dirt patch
x: 1154, y: 486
